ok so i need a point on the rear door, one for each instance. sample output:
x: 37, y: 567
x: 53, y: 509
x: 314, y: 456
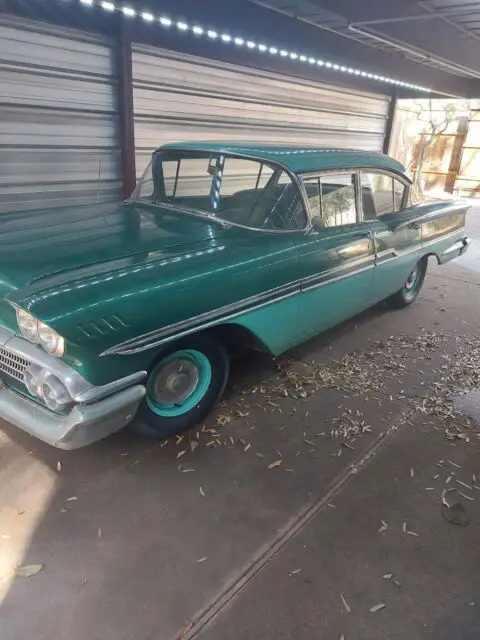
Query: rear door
x: 398, y: 237
x: 336, y: 259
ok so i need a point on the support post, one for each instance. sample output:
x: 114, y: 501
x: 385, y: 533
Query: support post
x: 389, y: 124
x: 125, y: 110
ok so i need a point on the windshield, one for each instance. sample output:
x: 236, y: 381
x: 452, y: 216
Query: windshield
x: 233, y: 189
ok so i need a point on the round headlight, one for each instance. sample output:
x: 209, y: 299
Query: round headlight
x: 55, y: 394
x: 28, y: 325
x: 50, y: 340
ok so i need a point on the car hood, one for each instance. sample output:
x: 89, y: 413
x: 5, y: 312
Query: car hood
x: 84, y: 241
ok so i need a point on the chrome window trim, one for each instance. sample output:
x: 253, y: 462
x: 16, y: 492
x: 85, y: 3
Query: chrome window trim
x: 207, y: 216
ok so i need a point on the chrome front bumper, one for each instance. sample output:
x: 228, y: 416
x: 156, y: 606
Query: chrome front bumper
x: 83, y: 425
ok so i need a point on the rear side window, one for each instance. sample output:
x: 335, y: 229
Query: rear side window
x: 381, y: 194
x: 332, y: 198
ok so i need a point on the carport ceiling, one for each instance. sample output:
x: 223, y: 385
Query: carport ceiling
x: 440, y: 34
x: 386, y: 46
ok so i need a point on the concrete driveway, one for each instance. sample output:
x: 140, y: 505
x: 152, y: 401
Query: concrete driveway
x: 309, y: 506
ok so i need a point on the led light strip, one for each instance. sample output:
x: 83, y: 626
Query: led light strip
x: 199, y: 31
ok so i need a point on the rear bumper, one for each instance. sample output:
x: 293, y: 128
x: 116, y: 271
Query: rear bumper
x: 83, y: 425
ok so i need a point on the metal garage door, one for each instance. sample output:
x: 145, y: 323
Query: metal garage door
x: 181, y: 97
x: 58, y: 121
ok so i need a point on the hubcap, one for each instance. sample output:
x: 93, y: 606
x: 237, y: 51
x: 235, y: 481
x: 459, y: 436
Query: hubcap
x: 175, y: 382
x: 178, y: 383
x: 412, y: 280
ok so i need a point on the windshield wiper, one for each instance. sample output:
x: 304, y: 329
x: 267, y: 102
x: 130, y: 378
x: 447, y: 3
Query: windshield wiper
x: 198, y: 213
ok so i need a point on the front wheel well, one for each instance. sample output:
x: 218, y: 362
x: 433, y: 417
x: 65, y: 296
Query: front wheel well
x: 236, y: 338
x: 233, y: 337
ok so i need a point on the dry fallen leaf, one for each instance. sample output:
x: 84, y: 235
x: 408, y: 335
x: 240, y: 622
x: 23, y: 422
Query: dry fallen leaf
x: 186, y: 629
x: 72, y: 498
x: 193, y: 445
x: 404, y: 527
x: 181, y: 453
x: 201, y: 491
x: 377, y: 607
x: 59, y: 466
x: 387, y: 576
x: 412, y: 473
x: 464, y: 495
x: 247, y: 447
x: 294, y: 572
x: 384, y: 527
x: 277, y: 463
x: 345, y: 603
x: 202, y: 559
x: 412, y: 533
x: 28, y: 570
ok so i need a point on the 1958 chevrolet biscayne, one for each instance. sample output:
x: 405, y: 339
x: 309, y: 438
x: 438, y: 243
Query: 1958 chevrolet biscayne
x: 119, y: 314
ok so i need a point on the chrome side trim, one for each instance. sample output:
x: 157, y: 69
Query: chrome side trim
x: 392, y: 253
x: 81, y: 391
x: 97, y: 393
x: 461, y: 245
x: 338, y: 278
x: 254, y: 303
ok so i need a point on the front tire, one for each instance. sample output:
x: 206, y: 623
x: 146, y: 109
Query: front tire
x: 411, y: 287
x: 182, y: 387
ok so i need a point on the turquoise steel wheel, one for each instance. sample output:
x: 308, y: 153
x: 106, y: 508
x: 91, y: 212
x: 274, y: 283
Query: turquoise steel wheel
x: 411, y: 287
x: 183, y: 385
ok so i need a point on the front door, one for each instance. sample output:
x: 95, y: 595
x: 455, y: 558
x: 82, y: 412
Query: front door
x: 336, y: 259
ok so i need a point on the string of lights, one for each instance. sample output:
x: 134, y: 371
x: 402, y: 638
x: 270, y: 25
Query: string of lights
x: 199, y: 31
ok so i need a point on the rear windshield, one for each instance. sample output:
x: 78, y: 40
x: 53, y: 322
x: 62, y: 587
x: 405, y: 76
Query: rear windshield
x: 233, y: 189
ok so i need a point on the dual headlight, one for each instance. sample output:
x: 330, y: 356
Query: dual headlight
x: 47, y: 387
x: 37, y: 331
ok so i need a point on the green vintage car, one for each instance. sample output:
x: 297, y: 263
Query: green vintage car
x: 115, y: 315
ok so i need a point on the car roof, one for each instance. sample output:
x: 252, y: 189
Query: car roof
x: 298, y: 159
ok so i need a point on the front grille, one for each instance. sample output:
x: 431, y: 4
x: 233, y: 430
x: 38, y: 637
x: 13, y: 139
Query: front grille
x: 12, y: 364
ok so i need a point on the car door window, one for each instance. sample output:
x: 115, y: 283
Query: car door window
x: 381, y: 194
x: 332, y: 198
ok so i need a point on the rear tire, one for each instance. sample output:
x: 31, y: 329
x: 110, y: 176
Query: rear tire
x: 182, y: 387
x: 411, y: 287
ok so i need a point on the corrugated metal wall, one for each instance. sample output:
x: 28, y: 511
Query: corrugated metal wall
x: 58, y: 118
x: 181, y: 97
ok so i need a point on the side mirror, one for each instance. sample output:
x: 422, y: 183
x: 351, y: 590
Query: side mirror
x: 318, y: 223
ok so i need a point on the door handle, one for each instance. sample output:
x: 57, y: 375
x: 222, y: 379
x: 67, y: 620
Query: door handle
x: 414, y: 225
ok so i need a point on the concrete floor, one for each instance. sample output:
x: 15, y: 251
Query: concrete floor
x: 259, y: 529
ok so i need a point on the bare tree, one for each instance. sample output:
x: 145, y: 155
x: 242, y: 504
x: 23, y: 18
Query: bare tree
x: 433, y: 129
